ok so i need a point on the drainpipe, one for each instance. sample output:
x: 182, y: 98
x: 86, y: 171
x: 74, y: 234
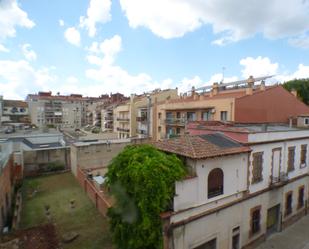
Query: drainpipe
x: 148, y: 115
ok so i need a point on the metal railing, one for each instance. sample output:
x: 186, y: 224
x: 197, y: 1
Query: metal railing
x: 176, y: 121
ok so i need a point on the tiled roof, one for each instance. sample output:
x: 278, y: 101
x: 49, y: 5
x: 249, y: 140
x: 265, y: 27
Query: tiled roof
x: 200, y: 147
x: 15, y: 103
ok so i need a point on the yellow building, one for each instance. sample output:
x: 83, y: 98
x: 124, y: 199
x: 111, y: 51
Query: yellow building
x: 134, y: 117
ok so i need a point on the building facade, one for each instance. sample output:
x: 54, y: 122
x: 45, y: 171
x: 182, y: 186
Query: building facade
x: 71, y: 111
x: 134, y: 118
x: 245, y: 103
x: 237, y: 200
x: 14, y: 111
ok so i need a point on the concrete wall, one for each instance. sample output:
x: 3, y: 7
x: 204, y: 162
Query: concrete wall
x: 94, y: 155
x: 36, y: 161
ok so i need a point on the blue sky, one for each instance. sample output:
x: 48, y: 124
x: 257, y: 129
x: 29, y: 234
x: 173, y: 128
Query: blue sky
x: 131, y: 46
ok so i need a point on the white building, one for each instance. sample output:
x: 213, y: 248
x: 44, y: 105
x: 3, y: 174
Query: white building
x: 237, y: 192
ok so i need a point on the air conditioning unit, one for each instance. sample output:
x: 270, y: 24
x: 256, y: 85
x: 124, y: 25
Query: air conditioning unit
x: 213, y: 111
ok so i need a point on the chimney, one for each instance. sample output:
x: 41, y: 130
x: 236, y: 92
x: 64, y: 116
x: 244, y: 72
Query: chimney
x: 193, y: 91
x: 262, y: 86
x: 294, y: 92
x: 250, y: 82
x: 215, y: 88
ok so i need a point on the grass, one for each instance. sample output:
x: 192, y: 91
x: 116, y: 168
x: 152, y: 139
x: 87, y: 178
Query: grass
x: 57, y: 191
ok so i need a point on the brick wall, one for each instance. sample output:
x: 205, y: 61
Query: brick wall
x: 95, y: 195
x: 6, y: 191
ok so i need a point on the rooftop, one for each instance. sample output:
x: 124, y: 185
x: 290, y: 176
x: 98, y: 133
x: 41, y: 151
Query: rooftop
x: 202, y: 146
x: 240, y: 128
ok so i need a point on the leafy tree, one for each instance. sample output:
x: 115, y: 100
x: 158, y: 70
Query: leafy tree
x: 301, y: 86
x: 142, y: 180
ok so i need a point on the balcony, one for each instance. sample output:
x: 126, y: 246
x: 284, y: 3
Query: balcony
x: 109, y: 118
x: 175, y: 121
x: 141, y: 132
x: 141, y: 119
x: 123, y: 129
x: 120, y: 119
x: 279, y: 180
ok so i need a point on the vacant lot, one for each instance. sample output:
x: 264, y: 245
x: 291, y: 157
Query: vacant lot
x: 57, y: 191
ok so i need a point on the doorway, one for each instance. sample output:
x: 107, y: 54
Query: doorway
x: 273, y: 219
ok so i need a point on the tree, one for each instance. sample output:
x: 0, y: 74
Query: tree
x: 142, y: 181
x: 301, y: 86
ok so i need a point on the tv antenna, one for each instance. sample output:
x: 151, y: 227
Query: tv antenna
x: 223, y: 69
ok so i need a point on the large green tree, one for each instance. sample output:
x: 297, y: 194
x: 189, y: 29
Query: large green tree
x: 301, y: 86
x: 142, y: 181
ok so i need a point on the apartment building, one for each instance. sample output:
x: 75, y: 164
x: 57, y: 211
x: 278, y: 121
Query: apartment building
x: 13, y: 111
x: 65, y: 111
x: 240, y: 101
x: 107, y: 118
x: 245, y: 182
x: 134, y: 118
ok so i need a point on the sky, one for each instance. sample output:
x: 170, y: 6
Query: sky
x: 93, y: 47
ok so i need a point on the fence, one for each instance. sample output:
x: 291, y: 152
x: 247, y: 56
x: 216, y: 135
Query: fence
x: 96, y: 196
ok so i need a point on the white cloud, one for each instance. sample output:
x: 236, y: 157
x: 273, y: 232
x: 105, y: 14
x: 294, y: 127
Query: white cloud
x: 72, y: 35
x: 301, y: 41
x: 61, y: 23
x: 72, y: 80
x: 231, y: 20
x: 29, y: 54
x: 260, y: 66
x: 4, y: 49
x: 113, y: 77
x: 301, y: 73
x: 97, y: 12
x: 18, y: 78
x: 11, y: 16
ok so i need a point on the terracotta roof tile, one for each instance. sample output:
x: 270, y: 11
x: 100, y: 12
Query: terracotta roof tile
x: 200, y: 147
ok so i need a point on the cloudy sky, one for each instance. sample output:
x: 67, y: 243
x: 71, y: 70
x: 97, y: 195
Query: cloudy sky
x: 102, y: 46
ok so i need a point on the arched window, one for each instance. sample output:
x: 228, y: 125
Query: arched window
x: 215, y: 183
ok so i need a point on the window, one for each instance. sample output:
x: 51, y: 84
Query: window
x: 159, y: 115
x: 178, y: 115
x: 306, y: 121
x: 288, y: 203
x: 178, y: 130
x: 291, y: 157
x: 206, y: 116
x: 257, y: 164
x: 159, y: 129
x: 255, y: 225
x: 303, y: 155
x: 301, y: 191
x: 223, y: 116
x: 215, y: 183
x: 191, y: 116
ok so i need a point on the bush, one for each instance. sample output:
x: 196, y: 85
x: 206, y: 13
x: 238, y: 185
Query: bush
x: 142, y: 180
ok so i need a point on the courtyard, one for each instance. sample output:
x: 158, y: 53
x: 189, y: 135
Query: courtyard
x: 58, y: 199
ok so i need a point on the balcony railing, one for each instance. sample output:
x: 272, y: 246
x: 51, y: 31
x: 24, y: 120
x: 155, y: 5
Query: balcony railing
x: 141, y: 119
x: 141, y: 132
x: 108, y: 118
x: 123, y: 119
x: 123, y: 129
x: 282, y: 178
x: 175, y: 121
